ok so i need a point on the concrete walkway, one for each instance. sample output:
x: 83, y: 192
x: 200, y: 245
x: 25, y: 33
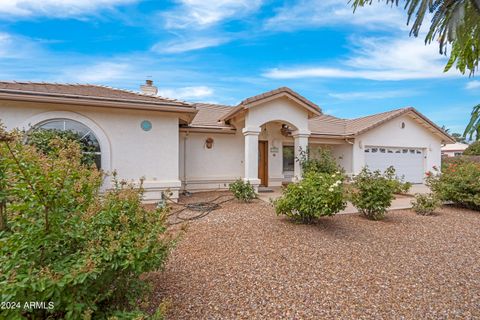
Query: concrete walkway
x: 400, y: 201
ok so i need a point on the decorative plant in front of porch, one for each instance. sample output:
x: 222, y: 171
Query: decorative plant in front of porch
x: 316, y: 195
x: 242, y: 190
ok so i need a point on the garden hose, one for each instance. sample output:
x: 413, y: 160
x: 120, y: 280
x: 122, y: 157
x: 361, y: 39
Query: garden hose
x: 204, y: 208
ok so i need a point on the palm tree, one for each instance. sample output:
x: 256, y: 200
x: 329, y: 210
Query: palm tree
x: 455, y: 23
x: 473, y: 126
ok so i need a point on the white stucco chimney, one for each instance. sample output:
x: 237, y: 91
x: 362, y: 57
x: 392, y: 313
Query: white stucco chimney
x: 149, y: 88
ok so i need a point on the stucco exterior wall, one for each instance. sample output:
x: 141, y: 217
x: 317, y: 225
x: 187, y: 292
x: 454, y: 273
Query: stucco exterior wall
x: 391, y: 134
x: 342, y: 152
x: 202, y: 168
x: 134, y: 153
x: 283, y: 110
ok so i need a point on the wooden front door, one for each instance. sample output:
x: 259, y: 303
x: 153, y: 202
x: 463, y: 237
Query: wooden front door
x: 263, y: 163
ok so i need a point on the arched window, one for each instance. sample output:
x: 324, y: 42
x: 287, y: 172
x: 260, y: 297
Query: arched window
x: 84, y: 134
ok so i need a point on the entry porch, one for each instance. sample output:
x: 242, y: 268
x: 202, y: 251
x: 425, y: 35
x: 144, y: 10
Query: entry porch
x: 272, y: 150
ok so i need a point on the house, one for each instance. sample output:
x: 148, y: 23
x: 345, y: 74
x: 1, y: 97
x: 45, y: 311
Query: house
x: 454, y: 149
x: 183, y: 146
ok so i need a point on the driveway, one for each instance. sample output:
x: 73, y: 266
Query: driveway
x: 244, y: 262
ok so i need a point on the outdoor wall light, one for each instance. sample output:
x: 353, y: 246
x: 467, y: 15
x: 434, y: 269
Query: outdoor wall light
x: 403, y: 125
x: 209, y: 143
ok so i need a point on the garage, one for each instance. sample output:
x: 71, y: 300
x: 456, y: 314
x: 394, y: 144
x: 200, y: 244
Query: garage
x: 408, y: 162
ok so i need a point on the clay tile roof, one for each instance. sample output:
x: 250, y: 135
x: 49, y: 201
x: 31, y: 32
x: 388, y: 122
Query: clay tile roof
x: 208, y: 115
x: 327, y: 125
x: 360, y: 125
x: 312, y: 107
x: 85, y: 92
x: 277, y: 91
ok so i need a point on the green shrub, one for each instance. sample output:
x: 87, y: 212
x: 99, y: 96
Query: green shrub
x: 64, y: 243
x: 242, y: 190
x: 398, y: 184
x: 316, y: 195
x: 473, y: 149
x: 459, y: 182
x: 319, y: 160
x: 372, y: 193
x: 425, y: 204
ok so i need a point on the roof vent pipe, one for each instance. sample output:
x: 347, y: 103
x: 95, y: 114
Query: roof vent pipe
x: 148, y: 88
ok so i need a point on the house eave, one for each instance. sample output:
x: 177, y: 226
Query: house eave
x: 95, y: 102
x: 206, y: 129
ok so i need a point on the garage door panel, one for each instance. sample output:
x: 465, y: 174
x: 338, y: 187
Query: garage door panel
x: 408, y: 162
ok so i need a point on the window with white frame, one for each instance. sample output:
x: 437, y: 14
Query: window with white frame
x: 288, y: 158
x: 85, y: 135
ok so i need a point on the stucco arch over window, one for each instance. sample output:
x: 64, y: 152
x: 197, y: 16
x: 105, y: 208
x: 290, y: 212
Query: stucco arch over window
x: 41, y: 119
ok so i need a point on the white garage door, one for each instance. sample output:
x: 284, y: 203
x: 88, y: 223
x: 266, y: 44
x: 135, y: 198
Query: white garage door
x: 408, y: 162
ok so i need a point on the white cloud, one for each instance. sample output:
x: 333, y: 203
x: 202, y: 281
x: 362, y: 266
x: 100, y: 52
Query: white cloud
x: 307, y: 13
x: 377, y: 59
x: 475, y: 84
x: 15, y: 47
x: 186, y: 45
x: 56, y: 8
x: 186, y: 93
x: 372, y: 95
x: 100, y: 72
x: 205, y: 13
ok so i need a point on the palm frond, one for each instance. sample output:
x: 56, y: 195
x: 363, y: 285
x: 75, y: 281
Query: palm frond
x: 473, y: 126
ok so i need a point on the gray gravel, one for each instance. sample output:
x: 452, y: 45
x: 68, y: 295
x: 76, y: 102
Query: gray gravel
x: 244, y: 262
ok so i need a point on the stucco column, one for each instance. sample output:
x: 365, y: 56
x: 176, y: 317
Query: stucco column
x: 301, y: 143
x: 251, y: 155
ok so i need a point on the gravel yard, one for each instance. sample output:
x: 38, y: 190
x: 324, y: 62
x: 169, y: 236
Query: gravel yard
x: 244, y: 262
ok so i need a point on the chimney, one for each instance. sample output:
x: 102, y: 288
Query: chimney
x: 148, y: 88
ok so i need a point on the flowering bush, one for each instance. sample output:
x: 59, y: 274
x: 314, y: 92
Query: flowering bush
x: 372, y: 193
x: 316, y: 195
x: 242, y: 190
x: 458, y: 182
x: 425, y: 204
x: 63, y: 244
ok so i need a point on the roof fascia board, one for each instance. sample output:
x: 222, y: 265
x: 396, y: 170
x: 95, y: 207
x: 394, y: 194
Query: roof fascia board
x: 101, y: 103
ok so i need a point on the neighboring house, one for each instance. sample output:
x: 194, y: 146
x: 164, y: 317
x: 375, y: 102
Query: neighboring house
x: 454, y: 149
x: 181, y: 146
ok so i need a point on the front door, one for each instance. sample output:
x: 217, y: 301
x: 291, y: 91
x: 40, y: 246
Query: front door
x: 263, y: 163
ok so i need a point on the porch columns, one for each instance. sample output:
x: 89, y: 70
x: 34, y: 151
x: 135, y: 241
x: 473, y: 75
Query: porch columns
x: 301, y: 143
x: 251, y: 155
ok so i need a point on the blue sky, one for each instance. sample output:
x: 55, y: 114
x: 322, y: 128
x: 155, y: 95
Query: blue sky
x: 226, y: 50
